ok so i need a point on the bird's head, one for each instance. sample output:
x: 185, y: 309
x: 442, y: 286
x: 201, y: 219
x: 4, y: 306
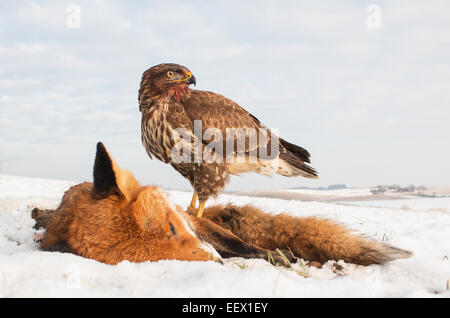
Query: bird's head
x: 165, y: 80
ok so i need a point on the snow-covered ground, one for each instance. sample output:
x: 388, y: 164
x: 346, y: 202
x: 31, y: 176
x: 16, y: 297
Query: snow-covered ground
x: 343, y: 193
x: 410, y: 202
x: 27, y: 271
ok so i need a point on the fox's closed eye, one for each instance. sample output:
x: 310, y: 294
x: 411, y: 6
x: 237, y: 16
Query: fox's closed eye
x: 172, y: 229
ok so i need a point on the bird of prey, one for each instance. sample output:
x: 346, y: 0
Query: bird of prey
x: 171, y: 110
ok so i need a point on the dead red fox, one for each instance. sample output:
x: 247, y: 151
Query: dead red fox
x: 115, y: 219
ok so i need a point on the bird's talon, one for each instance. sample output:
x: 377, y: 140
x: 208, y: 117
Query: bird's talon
x: 201, y: 208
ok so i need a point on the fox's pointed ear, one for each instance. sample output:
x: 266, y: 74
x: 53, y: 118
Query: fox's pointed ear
x: 104, y: 177
x: 110, y: 179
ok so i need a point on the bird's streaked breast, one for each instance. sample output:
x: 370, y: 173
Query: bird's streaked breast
x: 156, y: 132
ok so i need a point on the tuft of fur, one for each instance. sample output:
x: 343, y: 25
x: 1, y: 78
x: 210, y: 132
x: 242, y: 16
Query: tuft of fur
x: 310, y: 238
x: 229, y: 245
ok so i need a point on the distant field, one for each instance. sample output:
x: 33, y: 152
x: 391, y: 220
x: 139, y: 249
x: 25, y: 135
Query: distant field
x: 348, y: 195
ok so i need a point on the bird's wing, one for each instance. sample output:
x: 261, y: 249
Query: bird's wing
x: 182, y: 133
x: 218, y: 112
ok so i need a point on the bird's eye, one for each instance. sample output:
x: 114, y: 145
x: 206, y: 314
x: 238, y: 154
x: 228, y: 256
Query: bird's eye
x: 170, y: 74
x: 172, y: 229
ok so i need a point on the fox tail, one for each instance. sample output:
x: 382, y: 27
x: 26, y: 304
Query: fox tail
x: 310, y: 238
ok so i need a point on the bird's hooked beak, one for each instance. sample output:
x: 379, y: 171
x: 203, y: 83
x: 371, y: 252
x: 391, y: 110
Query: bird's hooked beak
x: 188, y: 79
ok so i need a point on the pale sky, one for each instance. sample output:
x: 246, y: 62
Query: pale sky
x: 372, y: 105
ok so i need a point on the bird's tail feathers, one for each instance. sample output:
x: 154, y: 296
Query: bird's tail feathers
x: 298, y: 151
x: 291, y: 166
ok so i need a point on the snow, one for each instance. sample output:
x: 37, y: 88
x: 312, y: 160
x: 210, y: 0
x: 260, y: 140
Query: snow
x: 413, y: 202
x: 25, y: 271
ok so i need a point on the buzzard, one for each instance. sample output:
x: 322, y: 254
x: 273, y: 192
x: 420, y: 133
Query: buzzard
x: 206, y: 136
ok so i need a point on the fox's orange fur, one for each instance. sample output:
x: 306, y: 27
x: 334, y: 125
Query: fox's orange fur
x: 310, y: 238
x: 115, y: 219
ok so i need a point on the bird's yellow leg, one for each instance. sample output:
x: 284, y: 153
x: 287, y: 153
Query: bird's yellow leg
x: 201, y: 207
x: 194, y: 201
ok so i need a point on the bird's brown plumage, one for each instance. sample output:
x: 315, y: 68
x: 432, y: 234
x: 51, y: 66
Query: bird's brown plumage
x: 167, y: 103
